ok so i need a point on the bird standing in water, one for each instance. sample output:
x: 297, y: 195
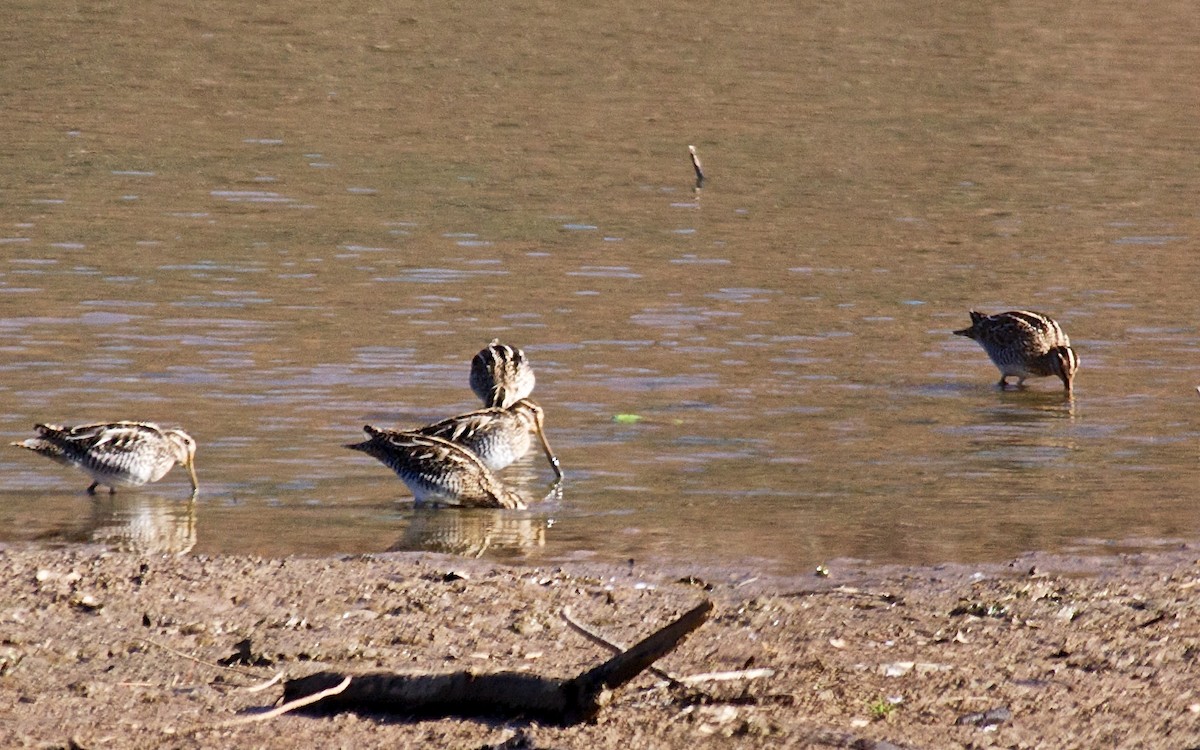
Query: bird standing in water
x: 127, y: 454
x: 498, y: 436
x: 1024, y: 344
x: 436, y: 470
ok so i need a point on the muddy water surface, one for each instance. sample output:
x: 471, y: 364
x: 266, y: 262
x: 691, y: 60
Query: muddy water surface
x: 273, y: 225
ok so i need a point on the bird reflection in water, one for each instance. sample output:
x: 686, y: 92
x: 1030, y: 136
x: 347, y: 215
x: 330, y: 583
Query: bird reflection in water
x: 143, y: 523
x: 471, y: 532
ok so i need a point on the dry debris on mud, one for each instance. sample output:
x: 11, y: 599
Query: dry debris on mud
x: 114, y: 650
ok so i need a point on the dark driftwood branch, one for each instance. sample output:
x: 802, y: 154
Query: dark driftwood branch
x: 612, y: 646
x: 502, y: 694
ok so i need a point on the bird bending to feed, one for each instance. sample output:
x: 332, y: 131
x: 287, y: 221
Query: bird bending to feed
x: 497, y: 436
x: 436, y: 470
x: 501, y: 375
x: 128, y: 454
x: 1024, y: 344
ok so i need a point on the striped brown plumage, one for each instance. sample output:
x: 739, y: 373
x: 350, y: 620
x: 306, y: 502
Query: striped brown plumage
x: 498, y: 436
x: 126, y: 454
x: 501, y: 375
x: 437, y: 471
x: 1024, y: 344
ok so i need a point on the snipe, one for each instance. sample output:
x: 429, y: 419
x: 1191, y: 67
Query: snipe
x: 126, y: 454
x: 501, y: 375
x: 498, y: 436
x: 1024, y: 344
x: 436, y: 470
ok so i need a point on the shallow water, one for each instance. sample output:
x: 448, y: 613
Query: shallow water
x: 273, y: 225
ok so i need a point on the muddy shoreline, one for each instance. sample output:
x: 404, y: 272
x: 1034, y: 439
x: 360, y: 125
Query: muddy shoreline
x: 112, y: 650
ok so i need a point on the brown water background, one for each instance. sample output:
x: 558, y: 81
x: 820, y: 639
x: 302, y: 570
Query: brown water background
x: 273, y: 223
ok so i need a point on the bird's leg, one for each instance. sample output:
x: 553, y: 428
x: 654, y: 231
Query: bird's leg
x: 92, y: 490
x: 1003, y: 382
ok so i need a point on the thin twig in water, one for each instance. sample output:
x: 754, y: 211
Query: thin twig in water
x: 696, y: 166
